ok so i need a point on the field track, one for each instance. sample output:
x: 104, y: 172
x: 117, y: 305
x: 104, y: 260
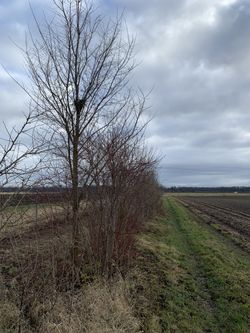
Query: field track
x: 196, y: 279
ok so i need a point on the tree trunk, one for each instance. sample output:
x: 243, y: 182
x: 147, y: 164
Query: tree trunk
x: 110, y: 241
x: 75, y: 205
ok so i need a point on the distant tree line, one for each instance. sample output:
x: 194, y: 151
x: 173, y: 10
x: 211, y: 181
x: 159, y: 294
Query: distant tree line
x: 193, y: 189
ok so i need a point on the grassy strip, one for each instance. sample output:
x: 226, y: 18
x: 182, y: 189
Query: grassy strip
x: 189, y: 279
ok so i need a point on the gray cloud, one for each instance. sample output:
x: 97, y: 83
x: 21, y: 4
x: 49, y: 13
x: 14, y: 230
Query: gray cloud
x: 196, y: 56
x: 197, y: 59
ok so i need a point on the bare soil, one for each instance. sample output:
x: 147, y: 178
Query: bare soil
x: 228, y: 214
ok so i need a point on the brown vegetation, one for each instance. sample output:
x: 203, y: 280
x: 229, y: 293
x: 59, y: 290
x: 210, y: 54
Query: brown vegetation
x: 64, y: 260
x: 80, y: 71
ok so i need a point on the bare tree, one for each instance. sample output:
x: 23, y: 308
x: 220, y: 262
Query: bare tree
x: 121, y: 169
x: 13, y: 151
x: 13, y: 172
x: 80, y: 70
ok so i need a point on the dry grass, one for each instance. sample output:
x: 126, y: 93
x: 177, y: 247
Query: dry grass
x: 37, y: 255
x: 21, y: 218
x: 99, y: 308
x: 9, y: 317
x: 36, y: 295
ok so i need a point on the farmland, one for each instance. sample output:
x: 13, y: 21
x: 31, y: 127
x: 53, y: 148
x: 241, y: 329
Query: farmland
x: 199, y: 277
x: 191, y: 272
x: 229, y: 214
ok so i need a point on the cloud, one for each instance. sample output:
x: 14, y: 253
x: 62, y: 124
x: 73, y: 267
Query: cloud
x: 196, y: 57
x: 15, y: 22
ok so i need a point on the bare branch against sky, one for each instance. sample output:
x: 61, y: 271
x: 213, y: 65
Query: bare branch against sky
x: 195, y: 54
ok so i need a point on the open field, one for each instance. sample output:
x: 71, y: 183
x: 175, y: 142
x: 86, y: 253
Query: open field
x: 229, y: 214
x: 30, y: 198
x: 187, y: 276
x: 196, y: 279
x: 233, y: 202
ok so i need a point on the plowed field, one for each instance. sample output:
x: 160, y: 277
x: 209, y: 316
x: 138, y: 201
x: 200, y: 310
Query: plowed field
x: 228, y: 214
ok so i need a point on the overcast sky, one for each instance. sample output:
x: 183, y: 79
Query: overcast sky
x: 195, y: 54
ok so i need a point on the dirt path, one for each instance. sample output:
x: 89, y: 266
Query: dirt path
x: 193, y: 261
x: 218, y: 271
x: 199, y: 281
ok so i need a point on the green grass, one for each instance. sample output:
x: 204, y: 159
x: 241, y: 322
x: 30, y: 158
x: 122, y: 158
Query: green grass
x: 190, y: 278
